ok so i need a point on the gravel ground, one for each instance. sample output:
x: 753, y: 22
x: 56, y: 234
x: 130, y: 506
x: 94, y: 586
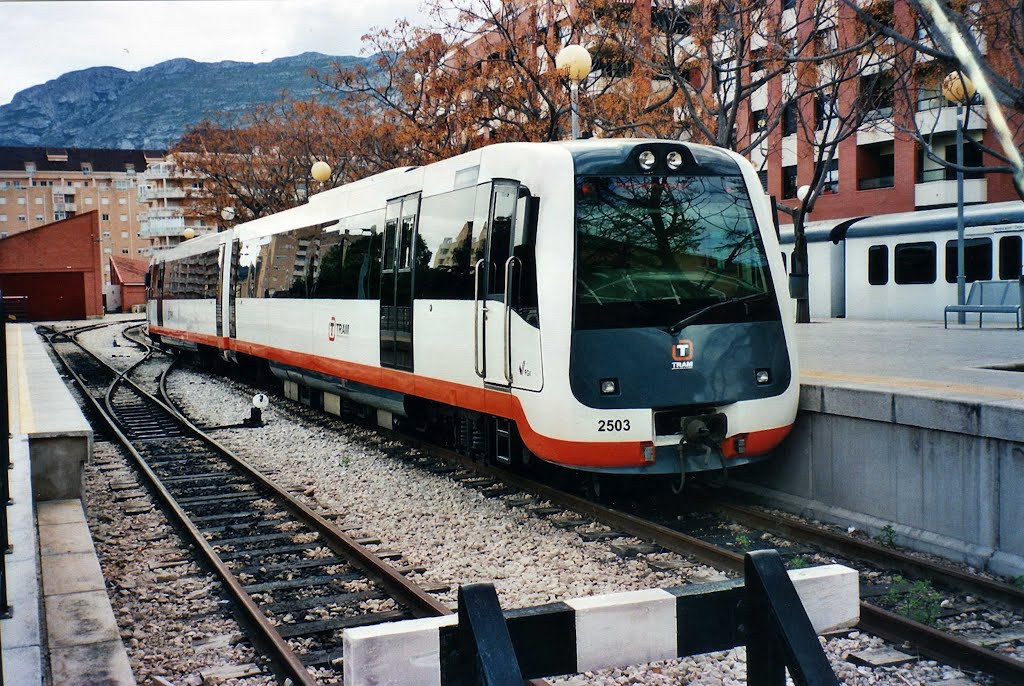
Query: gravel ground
x: 462, y: 537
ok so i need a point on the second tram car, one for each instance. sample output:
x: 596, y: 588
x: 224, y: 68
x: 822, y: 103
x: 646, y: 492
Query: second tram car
x: 605, y: 305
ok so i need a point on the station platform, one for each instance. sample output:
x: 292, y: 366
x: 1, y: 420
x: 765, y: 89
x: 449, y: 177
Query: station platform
x: 62, y: 628
x: 912, y: 428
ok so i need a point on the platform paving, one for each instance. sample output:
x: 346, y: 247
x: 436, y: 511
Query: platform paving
x: 914, y: 357
x: 53, y: 569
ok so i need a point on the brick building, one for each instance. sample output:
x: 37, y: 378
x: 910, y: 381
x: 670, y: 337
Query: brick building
x: 54, y: 269
x: 127, y: 291
x: 39, y: 186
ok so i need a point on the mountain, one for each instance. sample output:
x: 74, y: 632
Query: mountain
x: 106, y: 107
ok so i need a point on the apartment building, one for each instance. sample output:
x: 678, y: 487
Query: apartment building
x: 40, y: 185
x: 165, y: 191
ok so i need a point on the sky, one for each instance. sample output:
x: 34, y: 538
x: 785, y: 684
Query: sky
x: 41, y: 40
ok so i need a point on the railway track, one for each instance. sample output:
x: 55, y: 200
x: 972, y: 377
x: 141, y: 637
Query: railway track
x: 926, y: 640
x: 295, y: 577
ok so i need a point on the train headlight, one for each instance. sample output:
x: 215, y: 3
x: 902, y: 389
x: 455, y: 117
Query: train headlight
x: 647, y: 160
x: 763, y: 377
x: 609, y: 386
x: 674, y: 160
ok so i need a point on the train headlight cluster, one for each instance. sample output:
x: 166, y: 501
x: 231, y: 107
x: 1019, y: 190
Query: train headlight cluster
x: 609, y: 387
x: 763, y: 377
x: 674, y: 160
x: 647, y: 160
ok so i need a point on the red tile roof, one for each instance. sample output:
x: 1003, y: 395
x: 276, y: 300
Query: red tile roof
x: 127, y: 271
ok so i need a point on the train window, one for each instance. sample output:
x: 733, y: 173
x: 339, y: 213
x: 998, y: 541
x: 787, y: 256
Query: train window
x: 914, y: 263
x: 293, y: 253
x: 390, y: 228
x: 1010, y: 257
x: 443, y: 267
x: 193, y: 277
x: 347, y: 260
x: 523, y: 295
x: 405, y: 242
x: 977, y: 260
x: 505, y: 197
x: 878, y: 265
x: 785, y: 263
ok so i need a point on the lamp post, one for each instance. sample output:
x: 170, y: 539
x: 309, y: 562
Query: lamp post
x: 959, y: 89
x: 798, y: 277
x: 574, y: 61
x: 188, y: 234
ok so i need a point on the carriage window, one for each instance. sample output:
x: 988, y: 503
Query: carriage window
x: 443, y: 267
x: 914, y: 263
x: 977, y: 260
x: 878, y: 265
x: 1010, y: 257
x: 785, y: 262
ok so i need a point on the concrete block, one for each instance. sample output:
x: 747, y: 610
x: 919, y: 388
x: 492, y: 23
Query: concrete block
x: 953, y: 416
x: 71, y: 573
x: 77, y: 619
x: 1011, y: 501
x: 23, y: 666
x: 857, y: 402
x: 1004, y: 421
x: 57, y: 464
x: 57, y: 539
x: 810, y: 397
x: 22, y: 629
x: 406, y: 652
x: 830, y: 595
x: 87, y: 665
x: 60, y: 512
x: 602, y: 636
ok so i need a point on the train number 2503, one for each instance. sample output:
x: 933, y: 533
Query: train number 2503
x: 613, y: 425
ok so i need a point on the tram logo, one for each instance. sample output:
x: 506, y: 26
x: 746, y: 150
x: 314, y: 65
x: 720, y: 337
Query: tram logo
x: 682, y: 354
x: 334, y: 329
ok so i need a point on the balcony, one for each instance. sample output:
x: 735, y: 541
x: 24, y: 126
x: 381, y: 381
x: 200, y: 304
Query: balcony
x: 876, y: 182
x: 943, y: 119
x: 942, y: 193
x: 150, y: 227
x: 878, y: 127
x: 65, y: 207
x: 168, y: 193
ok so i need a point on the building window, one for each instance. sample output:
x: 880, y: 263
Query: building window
x: 39, y: 217
x: 22, y: 218
x: 88, y: 201
x: 977, y: 260
x: 106, y: 234
x: 878, y: 265
x: 1010, y: 257
x: 762, y: 176
x: 789, y: 182
x: 17, y: 183
x: 4, y: 185
x: 788, y: 4
x: 122, y: 201
x: 4, y: 234
x: 39, y: 201
x: 789, y: 118
x: 124, y: 217
x: 914, y: 263
x: 107, y: 251
x: 86, y: 168
x: 21, y: 201
x: 30, y: 167
x: 3, y: 201
x: 105, y: 217
x: 876, y: 166
x: 876, y: 93
x: 124, y: 234
x: 125, y: 251
x: 3, y: 217
x: 758, y: 120
x: 831, y: 173
x: 972, y: 158
x: 104, y: 201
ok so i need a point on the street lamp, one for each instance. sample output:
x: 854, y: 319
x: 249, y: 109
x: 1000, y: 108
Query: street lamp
x: 321, y: 171
x: 959, y: 89
x: 188, y: 234
x: 574, y: 61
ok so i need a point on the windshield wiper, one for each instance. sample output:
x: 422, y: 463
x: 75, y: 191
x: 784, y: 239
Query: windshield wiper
x: 693, y: 316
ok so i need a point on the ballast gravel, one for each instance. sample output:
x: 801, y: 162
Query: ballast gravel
x: 461, y: 537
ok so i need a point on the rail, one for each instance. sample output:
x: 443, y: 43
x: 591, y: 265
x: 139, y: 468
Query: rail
x: 5, y: 484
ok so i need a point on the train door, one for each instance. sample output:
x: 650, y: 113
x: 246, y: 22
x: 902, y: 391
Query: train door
x: 160, y: 270
x: 221, y: 286
x: 396, y: 282
x: 506, y: 324
x: 838, y: 254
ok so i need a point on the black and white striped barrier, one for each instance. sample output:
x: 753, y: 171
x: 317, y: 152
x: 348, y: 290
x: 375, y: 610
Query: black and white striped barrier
x: 594, y: 633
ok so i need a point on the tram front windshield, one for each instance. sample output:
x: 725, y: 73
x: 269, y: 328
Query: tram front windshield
x: 668, y: 252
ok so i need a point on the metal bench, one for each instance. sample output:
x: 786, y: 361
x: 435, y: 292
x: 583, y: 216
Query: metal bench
x: 1002, y: 297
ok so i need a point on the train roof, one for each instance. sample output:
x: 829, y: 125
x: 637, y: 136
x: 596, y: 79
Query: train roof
x: 997, y: 216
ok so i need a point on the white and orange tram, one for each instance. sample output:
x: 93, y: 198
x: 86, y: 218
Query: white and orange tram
x: 605, y: 305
